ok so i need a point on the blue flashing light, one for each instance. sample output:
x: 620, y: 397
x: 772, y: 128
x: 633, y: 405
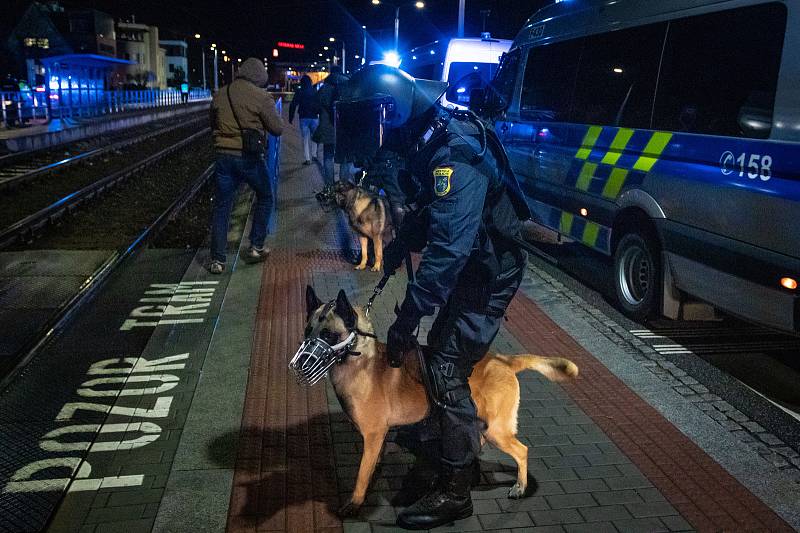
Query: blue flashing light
x: 461, y: 90
x: 392, y: 59
x: 433, y: 52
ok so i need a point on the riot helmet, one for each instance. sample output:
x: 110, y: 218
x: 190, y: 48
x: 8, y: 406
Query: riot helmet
x: 383, y: 107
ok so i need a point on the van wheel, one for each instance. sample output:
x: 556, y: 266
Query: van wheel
x: 637, y: 276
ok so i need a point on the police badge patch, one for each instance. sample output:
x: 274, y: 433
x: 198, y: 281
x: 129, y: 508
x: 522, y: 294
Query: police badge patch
x: 441, y: 177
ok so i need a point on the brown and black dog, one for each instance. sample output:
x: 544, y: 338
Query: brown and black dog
x: 377, y: 397
x: 368, y: 215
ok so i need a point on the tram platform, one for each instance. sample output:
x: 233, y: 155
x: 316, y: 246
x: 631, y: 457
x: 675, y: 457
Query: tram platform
x: 39, y: 133
x: 191, y: 421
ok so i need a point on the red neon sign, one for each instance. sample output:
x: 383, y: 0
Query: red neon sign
x: 295, y: 46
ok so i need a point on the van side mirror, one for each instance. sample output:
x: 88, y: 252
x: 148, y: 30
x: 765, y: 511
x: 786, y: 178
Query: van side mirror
x: 477, y: 99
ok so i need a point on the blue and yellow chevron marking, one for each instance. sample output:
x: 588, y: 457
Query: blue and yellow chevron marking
x: 606, y: 172
x: 574, y: 226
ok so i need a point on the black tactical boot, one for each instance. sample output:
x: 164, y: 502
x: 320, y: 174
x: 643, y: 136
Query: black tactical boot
x: 449, y: 501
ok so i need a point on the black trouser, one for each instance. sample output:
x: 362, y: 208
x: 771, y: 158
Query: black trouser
x: 459, y: 339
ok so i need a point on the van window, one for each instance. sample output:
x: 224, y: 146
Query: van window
x: 720, y: 72
x: 504, y: 82
x: 617, y: 77
x: 550, y: 80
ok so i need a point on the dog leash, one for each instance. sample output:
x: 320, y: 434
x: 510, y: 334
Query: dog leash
x: 377, y: 292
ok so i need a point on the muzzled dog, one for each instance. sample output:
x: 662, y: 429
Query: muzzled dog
x: 367, y: 213
x: 340, y: 342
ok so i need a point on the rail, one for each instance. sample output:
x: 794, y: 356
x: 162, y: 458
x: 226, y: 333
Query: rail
x: 12, y: 177
x: 20, y: 107
x: 90, y: 288
x: 25, y: 228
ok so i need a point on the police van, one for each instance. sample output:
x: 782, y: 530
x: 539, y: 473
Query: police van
x: 466, y: 63
x: 667, y: 136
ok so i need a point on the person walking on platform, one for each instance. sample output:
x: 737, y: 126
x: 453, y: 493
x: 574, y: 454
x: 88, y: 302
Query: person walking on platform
x: 242, y: 114
x: 326, y: 133
x: 307, y: 102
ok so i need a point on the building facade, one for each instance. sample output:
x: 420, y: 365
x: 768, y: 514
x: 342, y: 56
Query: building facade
x: 139, y: 43
x: 177, y: 62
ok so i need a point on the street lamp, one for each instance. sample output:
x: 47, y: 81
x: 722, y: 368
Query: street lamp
x: 418, y: 5
x: 344, y: 53
x: 203, y: 53
x: 216, y: 67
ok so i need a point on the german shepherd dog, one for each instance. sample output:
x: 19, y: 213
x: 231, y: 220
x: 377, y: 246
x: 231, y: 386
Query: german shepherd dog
x: 368, y: 215
x: 376, y: 397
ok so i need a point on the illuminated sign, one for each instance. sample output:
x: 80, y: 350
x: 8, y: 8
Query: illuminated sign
x: 295, y: 46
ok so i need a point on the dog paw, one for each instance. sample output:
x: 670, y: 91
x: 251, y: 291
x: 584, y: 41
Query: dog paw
x: 349, y: 510
x: 516, y: 492
x: 360, y: 267
x: 376, y: 269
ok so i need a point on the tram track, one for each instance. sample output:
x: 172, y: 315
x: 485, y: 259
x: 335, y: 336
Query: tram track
x: 25, y: 229
x: 94, y: 283
x: 17, y: 169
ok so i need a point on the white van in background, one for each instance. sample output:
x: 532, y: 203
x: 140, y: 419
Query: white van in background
x: 464, y: 63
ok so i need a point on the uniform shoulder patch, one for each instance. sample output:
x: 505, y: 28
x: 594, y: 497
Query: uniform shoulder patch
x: 441, y: 180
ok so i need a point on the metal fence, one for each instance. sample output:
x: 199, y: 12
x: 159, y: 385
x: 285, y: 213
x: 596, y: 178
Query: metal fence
x: 21, y: 107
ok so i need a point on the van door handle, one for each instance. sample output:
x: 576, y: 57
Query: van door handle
x: 504, y: 127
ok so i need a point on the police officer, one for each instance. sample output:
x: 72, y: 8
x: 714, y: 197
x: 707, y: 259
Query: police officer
x: 469, y: 211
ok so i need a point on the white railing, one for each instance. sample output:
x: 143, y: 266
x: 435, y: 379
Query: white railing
x: 21, y: 107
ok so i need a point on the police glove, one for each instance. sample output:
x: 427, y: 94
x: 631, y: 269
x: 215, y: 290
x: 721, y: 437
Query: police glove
x: 401, y: 334
x: 393, y: 256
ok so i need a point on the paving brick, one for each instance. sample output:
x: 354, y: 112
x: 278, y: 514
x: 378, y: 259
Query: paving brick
x: 563, y: 462
x: 557, y: 516
x: 144, y: 525
x: 641, y: 510
x: 505, y: 520
x: 356, y: 527
x: 605, y: 513
x: 533, y: 503
x: 543, y: 451
x: 579, y: 449
x: 115, y: 514
x: 651, y: 495
x: 641, y: 525
x: 539, y: 529
x: 554, y: 474
x: 617, y: 497
x: 594, y: 527
x: 549, y: 440
x: 137, y: 497
x: 485, y: 507
x: 628, y: 482
x: 589, y: 472
x: 468, y: 524
x: 676, y: 523
x: 543, y: 488
x: 583, y: 485
x: 564, y: 501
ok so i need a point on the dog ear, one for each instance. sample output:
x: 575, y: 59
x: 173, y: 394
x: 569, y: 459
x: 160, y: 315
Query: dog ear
x: 312, y: 302
x: 345, y: 311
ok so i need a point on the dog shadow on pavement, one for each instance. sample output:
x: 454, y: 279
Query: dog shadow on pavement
x: 285, y: 472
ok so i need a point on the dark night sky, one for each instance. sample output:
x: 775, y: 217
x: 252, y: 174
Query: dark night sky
x: 248, y: 27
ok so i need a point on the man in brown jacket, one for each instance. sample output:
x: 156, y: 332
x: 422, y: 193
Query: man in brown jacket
x: 242, y: 105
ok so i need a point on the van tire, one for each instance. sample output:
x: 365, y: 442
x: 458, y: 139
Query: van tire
x: 637, y: 275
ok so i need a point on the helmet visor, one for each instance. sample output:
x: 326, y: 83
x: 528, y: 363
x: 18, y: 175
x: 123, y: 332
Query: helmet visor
x: 361, y: 127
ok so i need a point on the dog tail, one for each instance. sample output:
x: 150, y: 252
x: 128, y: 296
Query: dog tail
x: 553, y: 368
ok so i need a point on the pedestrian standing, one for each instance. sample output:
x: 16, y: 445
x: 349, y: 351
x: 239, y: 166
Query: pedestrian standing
x: 306, y: 101
x: 326, y: 133
x: 242, y: 114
